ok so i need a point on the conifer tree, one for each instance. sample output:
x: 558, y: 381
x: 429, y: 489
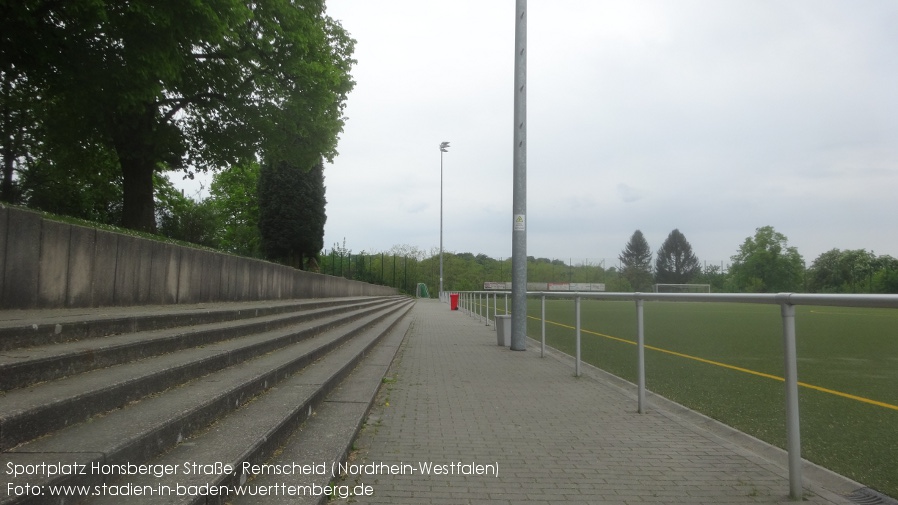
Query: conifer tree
x: 675, y: 263
x: 291, y: 212
x: 636, y: 259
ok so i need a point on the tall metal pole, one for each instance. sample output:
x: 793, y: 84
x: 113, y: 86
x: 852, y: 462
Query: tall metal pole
x: 519, y: 197
x: 443, y: 148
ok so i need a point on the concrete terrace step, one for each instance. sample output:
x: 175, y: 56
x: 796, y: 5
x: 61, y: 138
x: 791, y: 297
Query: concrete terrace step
x: 27, y: 328
x: 327, y: 435
x: 30, y: 365
x: 256, y: 431
x: 27, y: 413
x: 251, y: 392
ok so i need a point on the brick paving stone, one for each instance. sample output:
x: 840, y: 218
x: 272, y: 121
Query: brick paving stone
x: 456, y: 398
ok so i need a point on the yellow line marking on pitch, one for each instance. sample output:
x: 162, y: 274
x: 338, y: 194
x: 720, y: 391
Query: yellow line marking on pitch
x: 731, y: 367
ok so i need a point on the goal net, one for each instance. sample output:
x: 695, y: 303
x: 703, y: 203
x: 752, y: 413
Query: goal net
x: 422, y: 292
x: 682, y: 288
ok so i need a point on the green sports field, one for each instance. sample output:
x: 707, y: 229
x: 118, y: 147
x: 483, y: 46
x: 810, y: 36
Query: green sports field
x: 725, y: 360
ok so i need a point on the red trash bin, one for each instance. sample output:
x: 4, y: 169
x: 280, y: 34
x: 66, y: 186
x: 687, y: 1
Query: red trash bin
x: 453, y: 301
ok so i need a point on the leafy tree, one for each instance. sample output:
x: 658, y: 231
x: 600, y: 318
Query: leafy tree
x: 182, y: 218
x: 18, y: 125
x: 636, y: 259
x: 851, y: 271
x: 291, y: 212
x: 616, y: 282
x: 885, y: 280
x: 234, y: 197
x: 80, y: 183
x: 713, y: 275
x: 838, y: 271
x: 546, y: 270
x: 674, y: 262
x: 184, y: 84
x: 333, y: 263
x: 765, y: 264
x: 462, y: 272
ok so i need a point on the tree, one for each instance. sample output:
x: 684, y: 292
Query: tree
x: 234, y: 196
x: 885, y: 280
x: 291, y: 212
x: 184, y: 84
x: 851, y: 271
x: 713, y: 275
x: 18, y: 104
x: 674, y: 262
x: 765, y: 264
x: 183, y: 218
x: 80, y: 183
x: 636, y: 259
x: 836, y: 271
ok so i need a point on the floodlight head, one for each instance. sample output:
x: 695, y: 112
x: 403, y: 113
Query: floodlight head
x: 443, y: 146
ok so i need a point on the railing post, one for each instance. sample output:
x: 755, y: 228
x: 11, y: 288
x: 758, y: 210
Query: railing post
x: 542, y: 352
x: 793, y: 431
x: 495, y: 306
x: 478, y: 308
x: 506, y: 304
x: 577, y: 361
x: 640, y: 353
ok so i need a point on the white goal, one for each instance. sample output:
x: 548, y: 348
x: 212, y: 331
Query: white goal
x: 682, y: 288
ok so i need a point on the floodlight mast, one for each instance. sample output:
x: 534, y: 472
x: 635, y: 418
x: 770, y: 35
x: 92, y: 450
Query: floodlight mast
x: 519, y: 186
x: 444, y: 148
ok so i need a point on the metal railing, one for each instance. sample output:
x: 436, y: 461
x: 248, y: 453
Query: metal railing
x: 472, y: 303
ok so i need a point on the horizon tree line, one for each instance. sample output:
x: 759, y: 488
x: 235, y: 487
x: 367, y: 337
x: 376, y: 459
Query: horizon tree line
x: 764, y: 263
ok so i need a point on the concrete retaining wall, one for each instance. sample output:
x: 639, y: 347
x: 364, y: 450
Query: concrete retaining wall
x: 47, y: 264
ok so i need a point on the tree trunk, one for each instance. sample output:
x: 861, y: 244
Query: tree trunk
x: 134, y: 142
x: 9, y: 147
x: 6, y: 188
x: 138, y: 205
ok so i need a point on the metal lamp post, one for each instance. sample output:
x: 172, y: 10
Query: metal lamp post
x: 443, y: 149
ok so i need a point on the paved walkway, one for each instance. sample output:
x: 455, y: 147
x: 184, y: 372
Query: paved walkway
x: 543, y: 436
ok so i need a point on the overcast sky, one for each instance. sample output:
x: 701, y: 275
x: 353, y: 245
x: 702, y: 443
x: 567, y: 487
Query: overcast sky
x: 712, y: 117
